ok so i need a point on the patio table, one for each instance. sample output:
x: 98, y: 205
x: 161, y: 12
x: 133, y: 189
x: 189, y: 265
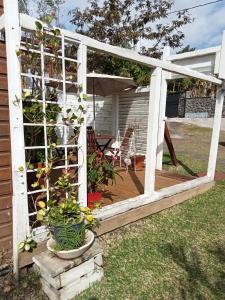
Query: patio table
x: 103, y: 137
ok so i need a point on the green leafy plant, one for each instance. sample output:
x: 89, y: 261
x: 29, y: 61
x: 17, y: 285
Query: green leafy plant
x: 28, y: 244
x: 99, y: 172
x: 64, y: 216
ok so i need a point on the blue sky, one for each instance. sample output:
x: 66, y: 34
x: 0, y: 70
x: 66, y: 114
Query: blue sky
x: 205, y: 31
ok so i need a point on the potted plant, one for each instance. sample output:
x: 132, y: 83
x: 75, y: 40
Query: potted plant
x: 99, y: 172
x: 69, y: 224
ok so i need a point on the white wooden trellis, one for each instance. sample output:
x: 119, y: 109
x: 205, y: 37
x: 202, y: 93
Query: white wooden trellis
x: 21, y: 194
x: 12, y: 23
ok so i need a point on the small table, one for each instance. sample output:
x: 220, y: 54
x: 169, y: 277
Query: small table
x: 104, y: 137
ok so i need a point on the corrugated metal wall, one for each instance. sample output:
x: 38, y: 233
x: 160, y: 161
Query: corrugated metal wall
x: 133, y: 110
x: 5, y: 158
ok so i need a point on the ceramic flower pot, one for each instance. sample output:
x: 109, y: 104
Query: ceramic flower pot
x: 74, y: 253
x: 94, y: 198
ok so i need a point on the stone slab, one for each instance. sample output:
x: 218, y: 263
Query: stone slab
x: 49, y: 263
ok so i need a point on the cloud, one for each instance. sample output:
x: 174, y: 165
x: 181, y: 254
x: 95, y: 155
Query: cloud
x: 208, y: 26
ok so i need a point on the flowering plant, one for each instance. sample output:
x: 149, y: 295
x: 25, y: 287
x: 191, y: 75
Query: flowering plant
x: 65, y: 217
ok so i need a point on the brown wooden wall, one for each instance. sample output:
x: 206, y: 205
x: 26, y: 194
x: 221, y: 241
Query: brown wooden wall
x: 5, y: 157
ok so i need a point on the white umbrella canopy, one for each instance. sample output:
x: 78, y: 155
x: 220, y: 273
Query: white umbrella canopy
x: 104, y: 85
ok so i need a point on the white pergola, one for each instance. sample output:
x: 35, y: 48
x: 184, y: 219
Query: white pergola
x: 207, y: 64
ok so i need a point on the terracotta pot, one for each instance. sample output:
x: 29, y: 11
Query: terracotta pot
x: 39, y: 165
x: 139, y: 162
x: 94, y: 198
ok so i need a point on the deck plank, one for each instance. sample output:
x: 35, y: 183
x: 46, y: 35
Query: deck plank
x: 131, y: 184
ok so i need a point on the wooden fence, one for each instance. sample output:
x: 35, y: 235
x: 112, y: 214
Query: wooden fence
x: 5, y: 157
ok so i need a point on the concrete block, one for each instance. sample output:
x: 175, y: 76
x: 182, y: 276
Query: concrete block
x: 98, y: 260
x: 64, y: 279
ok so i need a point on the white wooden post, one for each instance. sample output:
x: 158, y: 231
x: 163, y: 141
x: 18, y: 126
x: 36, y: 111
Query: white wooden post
x: 162, y: 113
x: 20, y: 207
x: 82, y: 153
x: 115, y: 114
x: 216, y: 132
x: 152, y: 133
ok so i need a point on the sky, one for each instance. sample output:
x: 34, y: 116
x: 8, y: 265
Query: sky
x: 205, y: 31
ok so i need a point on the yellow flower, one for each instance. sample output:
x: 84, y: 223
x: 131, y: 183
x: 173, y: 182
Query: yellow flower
x: 85, y: 209
x: 90, y: 218
x: 41, y: 204
x: 35, y: 184
x: 20, y: 169
x: 27, y: 94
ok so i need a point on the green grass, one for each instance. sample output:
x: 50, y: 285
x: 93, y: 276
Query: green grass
x: 176, y: 254
x: 186, y: 165
x: 194, y: 129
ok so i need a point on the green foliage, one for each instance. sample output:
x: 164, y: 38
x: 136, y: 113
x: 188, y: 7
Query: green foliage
x: 67, y: 212
x: 69, y: 238
x: 27, y: 245
x: 99, y: 171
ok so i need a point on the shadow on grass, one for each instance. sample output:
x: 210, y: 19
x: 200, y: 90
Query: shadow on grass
x: 180, y: 163
x: 196, y: 279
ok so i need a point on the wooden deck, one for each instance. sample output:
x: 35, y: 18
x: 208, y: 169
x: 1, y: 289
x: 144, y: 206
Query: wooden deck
x: 131, y: 184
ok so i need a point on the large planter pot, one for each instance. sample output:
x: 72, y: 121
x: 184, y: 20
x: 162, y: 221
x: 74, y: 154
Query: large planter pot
x: 93, y: 198
x: 71, y: 254
x: 61, y: 237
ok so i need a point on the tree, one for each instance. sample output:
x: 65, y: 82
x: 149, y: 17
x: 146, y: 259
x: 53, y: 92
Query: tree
x: 46, y: 7
x: 23, y: 6
x: 42, y: 8
x: 127, y: 22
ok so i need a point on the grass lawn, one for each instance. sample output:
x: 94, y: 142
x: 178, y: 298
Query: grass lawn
x: 176, y: 254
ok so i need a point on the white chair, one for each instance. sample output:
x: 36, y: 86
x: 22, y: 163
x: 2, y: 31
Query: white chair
x: 124, y: 148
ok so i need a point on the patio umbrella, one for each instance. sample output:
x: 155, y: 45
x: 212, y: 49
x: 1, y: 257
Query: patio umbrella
x: 104, y: 85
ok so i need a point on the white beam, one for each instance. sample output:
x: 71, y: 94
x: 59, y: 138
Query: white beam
x: 115, y: 114
x: 162, y: 113
x: 222, y: 59
x: 152, y: 133
x: 29, y: 23
x: 82, y: 154
x: 215, y: 133
x: 19, y: 181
